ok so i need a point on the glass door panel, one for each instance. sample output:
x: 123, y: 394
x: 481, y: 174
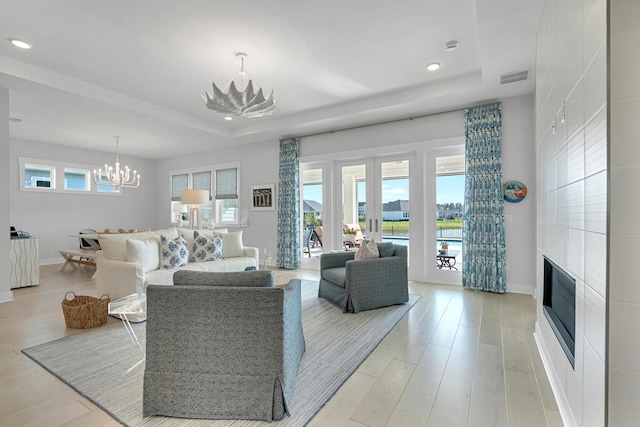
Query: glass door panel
x: 356, y: 199
x: 393, y: 202
x: 312, y: 212
x: 450, y: 172
x: 375, y: 196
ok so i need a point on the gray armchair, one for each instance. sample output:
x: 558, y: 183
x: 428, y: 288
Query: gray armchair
x: 222, y: 346
x: 365, y: 284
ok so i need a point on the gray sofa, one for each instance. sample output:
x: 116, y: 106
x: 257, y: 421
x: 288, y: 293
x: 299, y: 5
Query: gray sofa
x: 356, y: 285
x: 222, y: 346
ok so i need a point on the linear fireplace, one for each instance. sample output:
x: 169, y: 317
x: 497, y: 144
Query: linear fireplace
x: 559, y: 306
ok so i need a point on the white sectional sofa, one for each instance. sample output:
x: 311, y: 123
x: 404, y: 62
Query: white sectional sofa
x: 129, y: 262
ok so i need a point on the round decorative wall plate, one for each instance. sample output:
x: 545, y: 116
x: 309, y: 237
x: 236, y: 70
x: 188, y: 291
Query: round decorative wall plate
x: 514, y: 191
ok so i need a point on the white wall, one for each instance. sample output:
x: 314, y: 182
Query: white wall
x: 572, y: 196
x: 624, y: 237
x: 52, y: 217
x: 148, y: 206
x: 518, y: 163
x: 5, y: 286
x: 259, y: 164
x: 439, y: 131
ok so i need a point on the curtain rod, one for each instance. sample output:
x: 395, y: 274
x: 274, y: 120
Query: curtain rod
x: 386, y: 122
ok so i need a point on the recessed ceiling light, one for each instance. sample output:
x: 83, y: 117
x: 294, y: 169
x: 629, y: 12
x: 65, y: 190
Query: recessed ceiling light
x: 433, y: 66
x: 228, y: 118
x: 19, y: 43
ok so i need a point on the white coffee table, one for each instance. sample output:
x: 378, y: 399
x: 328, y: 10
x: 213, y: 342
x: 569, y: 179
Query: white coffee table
x: 131, y: 304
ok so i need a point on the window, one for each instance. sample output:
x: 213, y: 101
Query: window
x: 38, y: 176
x: 227, y: 195
x: 178, y: 183
x: 76, y: 179
x: 202, y: 181
x: 58, y: 177
x: 221, y: 182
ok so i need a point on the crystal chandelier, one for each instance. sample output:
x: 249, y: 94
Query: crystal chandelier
x: 240, y: 103
x: 116, y: 177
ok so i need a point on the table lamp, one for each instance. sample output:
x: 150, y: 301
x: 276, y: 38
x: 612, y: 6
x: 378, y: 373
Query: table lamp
x: 194, y: 199
x: 178, y: 209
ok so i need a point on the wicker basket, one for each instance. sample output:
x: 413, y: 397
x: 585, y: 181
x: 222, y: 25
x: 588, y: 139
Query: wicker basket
x: 84, y: 312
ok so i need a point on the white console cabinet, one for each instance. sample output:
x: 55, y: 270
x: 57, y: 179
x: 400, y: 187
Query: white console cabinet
x: 24, y: 263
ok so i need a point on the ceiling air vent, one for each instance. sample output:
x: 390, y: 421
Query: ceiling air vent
x: 514, y: 76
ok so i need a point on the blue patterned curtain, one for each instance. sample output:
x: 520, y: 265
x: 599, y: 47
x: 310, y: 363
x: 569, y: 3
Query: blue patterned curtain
x: 289, y: 205
x: 483, y: 248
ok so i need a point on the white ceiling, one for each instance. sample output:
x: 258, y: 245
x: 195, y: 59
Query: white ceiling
x: 138, y: 68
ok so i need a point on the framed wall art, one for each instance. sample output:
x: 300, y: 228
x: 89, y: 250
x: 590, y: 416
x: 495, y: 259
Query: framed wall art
x: 264, y: 197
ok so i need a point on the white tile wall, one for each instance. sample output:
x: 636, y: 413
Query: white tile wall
x: 575, y: 55
x: 625, y: 49
x: 623, y: 397
x: 595, y: 202
x: 595, y: 267
x: 575, y: 199
x: 595, y: 143
x: 575, y: 162
x: 574, y: 394
x: 624, y: 16
x: 572, y: 173
x: 621, y: 316
x: 623, y: 207
x: 625, y: 273
x: 562, y: 163
x: 594, y: 26
x: 625, y: 128
x: 624, y: 253
x: 593, y: 383
x: 595, y: 321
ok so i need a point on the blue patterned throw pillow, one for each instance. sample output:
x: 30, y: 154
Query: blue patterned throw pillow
x: 205, y: 249
x: 174, y: 252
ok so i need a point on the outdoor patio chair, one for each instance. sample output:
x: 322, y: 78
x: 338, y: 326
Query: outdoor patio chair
x: 306, y: 241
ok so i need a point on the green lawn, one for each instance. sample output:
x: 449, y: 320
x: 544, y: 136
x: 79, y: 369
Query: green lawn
x: 401, y: 228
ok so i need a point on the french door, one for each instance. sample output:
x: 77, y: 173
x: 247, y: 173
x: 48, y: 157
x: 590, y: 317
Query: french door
x: 374, y: 194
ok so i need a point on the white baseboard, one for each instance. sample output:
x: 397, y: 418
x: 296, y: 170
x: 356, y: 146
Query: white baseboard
x: 6, y: 296
x: 517, y: 288
x: 561, y: 399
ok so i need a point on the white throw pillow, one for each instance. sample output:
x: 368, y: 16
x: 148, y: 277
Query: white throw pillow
x: 174, y: 252
x: 114, y: 245
x: 206, y: 249
x: 367, y: 250
x: 232, y: 244
x: 144, y: 252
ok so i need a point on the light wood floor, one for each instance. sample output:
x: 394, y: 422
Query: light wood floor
x: 460, y: 358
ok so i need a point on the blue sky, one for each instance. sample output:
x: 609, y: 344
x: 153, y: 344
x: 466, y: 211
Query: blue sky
x: 450, y: 189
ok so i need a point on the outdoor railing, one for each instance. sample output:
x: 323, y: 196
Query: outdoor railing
x: 449, y: 233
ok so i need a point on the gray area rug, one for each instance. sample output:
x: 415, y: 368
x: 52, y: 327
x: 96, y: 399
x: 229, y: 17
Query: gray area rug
x: 93, y: 362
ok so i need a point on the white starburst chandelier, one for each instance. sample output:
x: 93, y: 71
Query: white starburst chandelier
x: 240, y: 103
x: 115, y: 177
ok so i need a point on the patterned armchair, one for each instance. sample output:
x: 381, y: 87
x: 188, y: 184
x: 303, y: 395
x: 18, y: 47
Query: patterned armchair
x: 222, y: 346
x: 356, y: 285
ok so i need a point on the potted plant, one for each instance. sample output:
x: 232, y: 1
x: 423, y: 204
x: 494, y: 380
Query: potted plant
x: 444, y: 247
x: 349, y: 235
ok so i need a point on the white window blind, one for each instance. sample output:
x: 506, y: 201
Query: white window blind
x: 227, y: 184
x: 178, y: 183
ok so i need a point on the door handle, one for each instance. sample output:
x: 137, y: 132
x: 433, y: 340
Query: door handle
x: 370, y: 225
x: 376, y: 225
